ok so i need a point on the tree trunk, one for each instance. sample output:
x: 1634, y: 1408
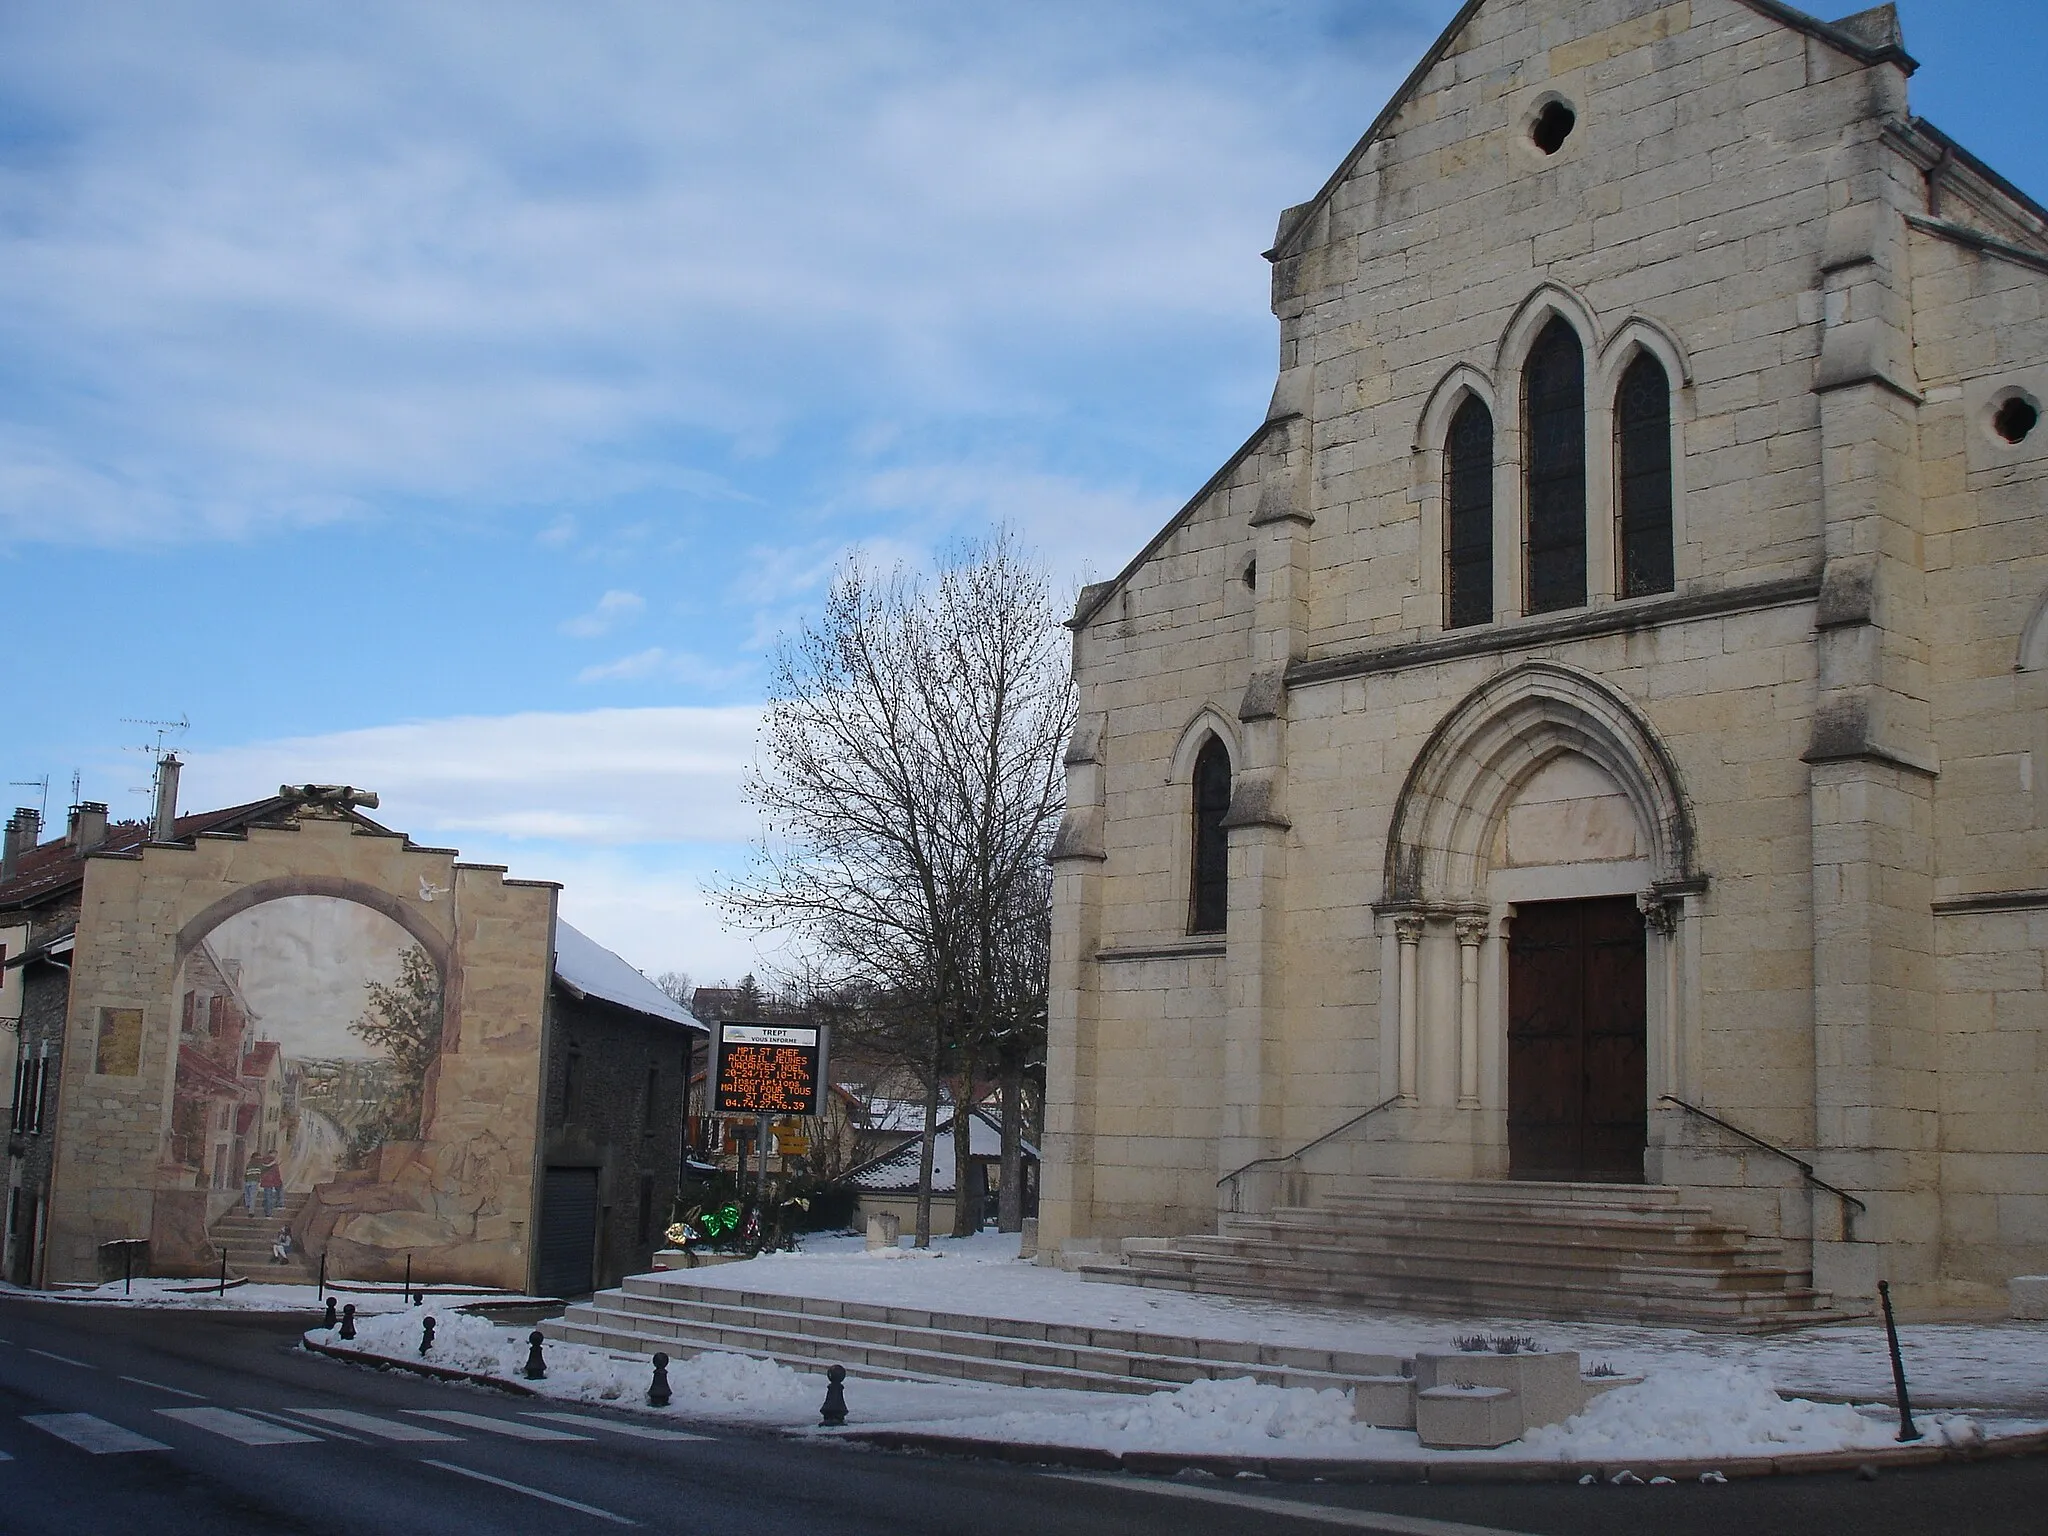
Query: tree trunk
x: 1010, y: 1216
x: 966, y: 1215
x: 928, y: 1142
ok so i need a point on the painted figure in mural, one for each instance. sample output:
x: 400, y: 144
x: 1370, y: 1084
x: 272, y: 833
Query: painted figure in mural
x: 252, y: 1185
x: 281, y: 1246
x: 273, y: 1184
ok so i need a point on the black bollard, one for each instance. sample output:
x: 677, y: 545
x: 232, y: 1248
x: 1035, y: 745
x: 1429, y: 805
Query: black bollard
x: 426, y: 1334
x: 330, y: 1314
x: 834, y: 1412
x: 536, y: 1368
x: 127, y: 1269
x: 223, y: 1272
x: 348, y: 1321
x: 323, y: 1279
x: 408, y: 1276
x: 1891, y: 1332
x: 658, y: 1394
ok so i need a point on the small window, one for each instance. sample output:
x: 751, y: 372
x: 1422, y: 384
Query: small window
x: 1554, y: 389
x: 2015, y: 419
x: 1642, y: 430
x: 1553, y: 124
x: 1209, y: 904
x: 1468, y: 516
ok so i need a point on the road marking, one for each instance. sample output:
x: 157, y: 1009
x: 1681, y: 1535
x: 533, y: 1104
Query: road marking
x: 510, y: 1427
x: 640, y: 1431
x: 63, y: 1359
x: 531, y: 1493
x: 230, y: 1425
x: 370, y: 1424
x: 1322, y: 1514
x: 157, y: 1386
x: 91, y: 1434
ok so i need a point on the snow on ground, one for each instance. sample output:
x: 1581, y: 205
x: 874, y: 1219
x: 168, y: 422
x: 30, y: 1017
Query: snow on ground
x: 2000, y: 1367
x: 247, y: 1298
x: 1719, y: 1412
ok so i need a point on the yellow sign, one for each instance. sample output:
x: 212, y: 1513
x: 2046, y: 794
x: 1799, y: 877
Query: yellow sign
x: 792, y: 1143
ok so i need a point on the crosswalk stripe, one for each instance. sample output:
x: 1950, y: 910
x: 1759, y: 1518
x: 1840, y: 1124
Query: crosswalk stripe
x: 158, y: 1386
x: 239, y: 1426
x: 512, y: 1427
x: 370, y: 1424
x: 638, y: 1431
x: 92, y: 1434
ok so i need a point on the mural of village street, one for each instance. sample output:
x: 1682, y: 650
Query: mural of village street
x: 308, y: 1027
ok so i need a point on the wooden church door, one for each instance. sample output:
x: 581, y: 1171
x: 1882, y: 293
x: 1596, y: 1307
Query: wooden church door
x: 1578, y: 1098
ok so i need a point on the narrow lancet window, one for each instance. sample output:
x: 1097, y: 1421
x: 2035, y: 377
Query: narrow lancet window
x: 1554, y: 389
x: 1642, y: 430
x: 1209, y: 900
x: 1468, y: 516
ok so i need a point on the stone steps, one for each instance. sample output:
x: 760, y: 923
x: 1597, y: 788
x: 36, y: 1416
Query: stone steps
x: 1641, y: 1253
x: 892, y: 1343
x: 247, y: 1240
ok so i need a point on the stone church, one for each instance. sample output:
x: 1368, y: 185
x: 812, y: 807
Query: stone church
x: 1590, y: 743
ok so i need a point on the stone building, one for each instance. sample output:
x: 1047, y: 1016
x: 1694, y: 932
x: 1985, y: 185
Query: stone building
x: 285, y: 1014
x: 1608, y: 689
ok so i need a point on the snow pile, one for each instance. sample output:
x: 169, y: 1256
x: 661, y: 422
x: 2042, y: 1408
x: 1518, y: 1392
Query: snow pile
x: 1208, y: 1415
x: 1725, y: 1410
x: 255, y: 1296
x: 577, y: 1371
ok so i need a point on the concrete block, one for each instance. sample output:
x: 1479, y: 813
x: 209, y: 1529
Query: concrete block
x: 884, y: 1228
x: 1386, y: 1402
x: 1467, y: 1418
x: 1547, y: 1383
x: 1027, y: 1243
x: 2028, y: 1297
x: 1594, y: 1386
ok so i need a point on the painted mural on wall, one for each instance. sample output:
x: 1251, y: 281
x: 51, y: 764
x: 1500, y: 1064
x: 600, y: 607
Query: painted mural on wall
x: 308, y: 1040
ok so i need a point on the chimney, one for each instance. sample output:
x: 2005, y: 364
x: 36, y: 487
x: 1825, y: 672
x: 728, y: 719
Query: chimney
x: 88, y: 827
x: 163, y: 827
x: 24, y: 831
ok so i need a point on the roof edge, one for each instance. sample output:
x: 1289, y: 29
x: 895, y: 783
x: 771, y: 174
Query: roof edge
x: 1286, y: 243
x: 1097, y: 594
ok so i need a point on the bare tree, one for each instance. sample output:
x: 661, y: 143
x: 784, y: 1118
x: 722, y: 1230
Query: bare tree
x: 909, y: 785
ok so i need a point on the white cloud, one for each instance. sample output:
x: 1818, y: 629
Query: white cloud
x: 613, y: 609
x: 603, y: 777
x: 674, y: 666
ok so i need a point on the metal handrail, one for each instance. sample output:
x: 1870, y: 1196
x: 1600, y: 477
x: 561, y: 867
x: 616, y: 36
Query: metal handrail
x: 1232, y: 1177
x: 1804, y: 1167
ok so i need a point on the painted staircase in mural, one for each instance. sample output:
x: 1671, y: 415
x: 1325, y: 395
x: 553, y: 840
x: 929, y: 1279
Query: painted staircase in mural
x: 1636, y: 1252
x: 247, y: 1240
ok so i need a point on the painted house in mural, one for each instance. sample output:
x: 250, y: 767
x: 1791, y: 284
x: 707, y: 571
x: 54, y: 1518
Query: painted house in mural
x: 283, y: 1014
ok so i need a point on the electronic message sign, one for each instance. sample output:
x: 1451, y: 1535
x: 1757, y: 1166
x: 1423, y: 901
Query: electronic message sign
x: 769, y: 1069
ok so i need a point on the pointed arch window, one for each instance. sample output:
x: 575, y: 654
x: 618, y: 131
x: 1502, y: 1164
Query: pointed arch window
x: 1642, y: 440
x: 1209, y: 894
x: 1468, y: 516
x: 1554, y: 394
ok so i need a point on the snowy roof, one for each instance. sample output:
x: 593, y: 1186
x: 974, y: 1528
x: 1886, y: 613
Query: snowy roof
x: 587, y: 969
x: 897, y: 1170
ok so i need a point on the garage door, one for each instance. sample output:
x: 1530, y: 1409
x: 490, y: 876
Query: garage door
x: 568, y: 1231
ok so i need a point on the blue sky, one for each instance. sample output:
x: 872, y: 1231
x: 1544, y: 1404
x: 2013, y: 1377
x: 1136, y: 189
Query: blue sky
x: 456, y: 399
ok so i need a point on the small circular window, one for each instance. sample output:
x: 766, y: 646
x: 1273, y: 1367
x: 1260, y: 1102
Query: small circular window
x: 1552, y: 125
x: 2015, y: 419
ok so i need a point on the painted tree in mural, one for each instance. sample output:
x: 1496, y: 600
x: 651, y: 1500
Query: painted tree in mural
x: 403, y: 1020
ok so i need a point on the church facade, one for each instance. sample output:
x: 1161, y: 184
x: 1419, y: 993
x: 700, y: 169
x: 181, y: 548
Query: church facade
x: 1598, y: 722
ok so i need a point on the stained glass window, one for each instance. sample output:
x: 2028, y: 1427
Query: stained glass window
x: 1642, y: 430
x: 1555, y: 393
x: 1209, y: 902
x: 1468, y: 508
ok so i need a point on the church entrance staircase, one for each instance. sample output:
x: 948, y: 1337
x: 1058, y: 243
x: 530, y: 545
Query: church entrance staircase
x: 1481, y: 1250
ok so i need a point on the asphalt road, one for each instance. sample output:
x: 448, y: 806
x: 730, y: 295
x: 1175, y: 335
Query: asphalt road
x: 161, y: 1424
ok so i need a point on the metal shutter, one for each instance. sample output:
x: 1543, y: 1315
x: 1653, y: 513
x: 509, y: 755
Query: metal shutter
x: 568, y: 1231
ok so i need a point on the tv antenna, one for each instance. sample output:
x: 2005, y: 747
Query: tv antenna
x: 162, y: 728
x: 42, y: 786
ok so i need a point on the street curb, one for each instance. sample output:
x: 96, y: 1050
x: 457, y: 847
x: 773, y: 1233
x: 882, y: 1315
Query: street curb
x: 1303, y: 1469
x: 417, y: 1367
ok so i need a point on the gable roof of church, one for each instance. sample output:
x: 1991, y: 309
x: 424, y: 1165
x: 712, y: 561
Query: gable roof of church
x: 1869, y: 37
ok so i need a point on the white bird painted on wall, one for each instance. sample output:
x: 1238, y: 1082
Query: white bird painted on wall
x: 428, y: 892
